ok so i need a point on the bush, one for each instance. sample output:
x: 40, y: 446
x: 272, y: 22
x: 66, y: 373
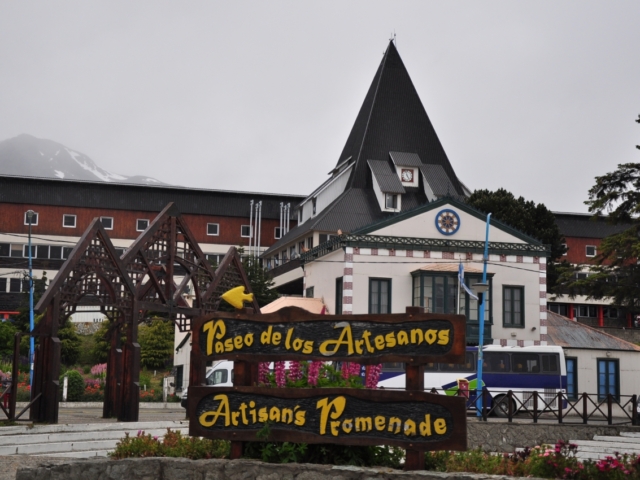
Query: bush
x: 156, y: 342
x: 75, y: 387
x: 172, y: 445
x: 7, y: 337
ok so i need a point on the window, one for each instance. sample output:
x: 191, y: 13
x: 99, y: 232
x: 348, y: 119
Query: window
x: 69, y: 221
x: 292, y: 252
x: 277, y: 232
x: 309, y: 292
x: 5, y: 249
x: 608, y: 378
x: 588, y: 311
x: 141, y: 224
x: 42, y: 251
x: 16, y: 250
x: 107, y: 222
x: 213, y: 229
x: 339, y: 296
x: 565, y: 249
x: 34, y: 218
x: 313, y: 203
x: 66, y: 251
x: 390, y: 200
x: 55, y: 252
x: 245, y: 231
x: 513, y: 306
x: 284, y: 256
x: 301, y: 247
x: 572, y: 378
x: 120, y: 251
x: 15, y: 285
x: 179, y: 377
x: 469, y: 364
x: 309, y: 243
x: 496, y: 362
x: 379, y: 295
x: 218, y: 377
x: 3, y: 284
x: 439, y: 294
x: 525, y: 362
x: 25, y: 251
x: 591, y: 251
x: 550, y: 363
x: 214, y: 258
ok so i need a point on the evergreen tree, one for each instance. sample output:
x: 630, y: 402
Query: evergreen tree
x: 156, y: 342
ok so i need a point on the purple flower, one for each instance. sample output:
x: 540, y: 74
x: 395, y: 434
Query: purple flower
x: 281, y: 381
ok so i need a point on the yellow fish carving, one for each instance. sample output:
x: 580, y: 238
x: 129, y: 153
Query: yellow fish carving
x: 236, y: 297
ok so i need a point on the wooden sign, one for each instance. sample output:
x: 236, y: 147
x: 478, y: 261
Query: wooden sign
x: 415, y: 420
x: 295, y: 334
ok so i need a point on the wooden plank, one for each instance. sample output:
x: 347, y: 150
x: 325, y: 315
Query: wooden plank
x: 346, y: 416
x: 295, y: 334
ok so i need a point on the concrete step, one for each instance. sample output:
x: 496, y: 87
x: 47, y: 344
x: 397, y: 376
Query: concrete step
x: 59, y: 447
x: 22, y: 439
x: 604, y: 438
x: 630, y: 434
x: 92, y: 427
x: 82, y: 454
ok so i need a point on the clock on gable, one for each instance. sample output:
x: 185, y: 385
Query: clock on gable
x: 406, y: 174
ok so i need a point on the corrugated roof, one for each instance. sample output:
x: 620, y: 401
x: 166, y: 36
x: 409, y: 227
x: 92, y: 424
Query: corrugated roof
x: 40, y: 191
x: 386, y: 176
x: 403, y: 159
x: 564, y: 332
x: 584, y: 226
x: 438, y: 180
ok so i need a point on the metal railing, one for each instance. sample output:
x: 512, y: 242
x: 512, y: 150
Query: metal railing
x: 557, y: 407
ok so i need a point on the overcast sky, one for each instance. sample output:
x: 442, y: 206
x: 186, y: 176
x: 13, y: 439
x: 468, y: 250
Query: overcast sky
x: 536, y: 97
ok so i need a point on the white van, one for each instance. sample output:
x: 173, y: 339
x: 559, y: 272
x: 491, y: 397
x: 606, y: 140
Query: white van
x: 220, y: 374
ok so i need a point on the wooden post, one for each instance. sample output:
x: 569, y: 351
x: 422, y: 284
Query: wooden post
x: 130, y: 390
x: 414, y: 383
x: 113, y: 382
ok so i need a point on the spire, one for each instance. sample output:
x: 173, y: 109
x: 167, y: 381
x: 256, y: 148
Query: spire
x: 392, y: 118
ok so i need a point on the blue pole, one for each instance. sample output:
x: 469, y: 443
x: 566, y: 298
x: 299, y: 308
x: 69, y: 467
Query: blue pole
x: 481, y: 321
x: 31, y: 344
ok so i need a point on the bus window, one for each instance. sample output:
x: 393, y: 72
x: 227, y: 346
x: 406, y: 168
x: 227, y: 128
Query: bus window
x: 525, y: 363
x: 467, y: 366
x: 496, y: 362
x: 550, y: 363
x: 393, y: 367
x: 218, y: 377
x: 430, y: 367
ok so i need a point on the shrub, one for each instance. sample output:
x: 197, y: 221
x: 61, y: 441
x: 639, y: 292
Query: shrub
x: 93, y: 393
x: 86, y: 369
x: 75, y: 387
x: 172, y: 445
x: 156, y: 342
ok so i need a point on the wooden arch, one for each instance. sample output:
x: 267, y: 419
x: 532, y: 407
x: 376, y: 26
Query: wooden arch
x: 156, y: 274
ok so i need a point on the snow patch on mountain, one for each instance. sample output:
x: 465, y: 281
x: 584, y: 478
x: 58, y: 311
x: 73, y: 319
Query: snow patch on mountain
x: 29, y: 156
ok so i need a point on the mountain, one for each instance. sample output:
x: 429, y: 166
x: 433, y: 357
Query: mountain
x: 28, y: 156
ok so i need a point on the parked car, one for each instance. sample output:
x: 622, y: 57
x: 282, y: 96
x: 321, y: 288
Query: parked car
x: 220, y: 374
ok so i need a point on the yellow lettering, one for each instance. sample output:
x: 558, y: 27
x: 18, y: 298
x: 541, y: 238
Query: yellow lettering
x: 287, y: 415
x: 234, y: 418
x: 308, y: 347
x: 391, y: 340
x: 366, y: 334
x: 274, y: 414
x: 265, y: 337
x: 395, y: 421
x: 214, y: 330
x: 222, y: 411
x: 409, y: 427
x: 379, y: 422
x: 287, y: 342
x: 277, y: 336
x: 430, y: 336
x: 403, y: 338
x: 333, y: 408
x: 379, y: 341
x: 248, y: 339
x: 263, y: 416
x: 443, y: 337
x: 243, y: 409
x: 363, y: 424
x: 425, y: 427
x: 297, y: 344
x: 335, y: 424
x: 347, y: 425
x: 440, y: 426
x: 228, y: 345
x: 416, y: 336
x: 237, y: 342
x: 348, y: 341
x: 219, y: 347
x: 359, y: 344
x: 300, y: 417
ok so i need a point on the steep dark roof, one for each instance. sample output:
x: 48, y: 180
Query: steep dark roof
x: 41, y: 191
x: 386, y: 177
x: 438, y: 180
x: 393, y: 119
x: 570, y: 334
x: 583, y: 225
x: 403, y: 159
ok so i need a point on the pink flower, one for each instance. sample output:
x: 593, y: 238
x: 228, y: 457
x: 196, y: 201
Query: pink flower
x: 281, y: 381
x: 263, y: 371
x: 313, y: 372
x: 355, y: 369
x: 373, y: 375
x: 346, y: 371
x: 295, y: 372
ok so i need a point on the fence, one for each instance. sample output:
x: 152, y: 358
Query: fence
x: 615, y: 410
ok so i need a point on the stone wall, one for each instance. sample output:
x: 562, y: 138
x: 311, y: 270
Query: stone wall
x: 181, y: 469
x: 500, y: 436
x: 86, y: 328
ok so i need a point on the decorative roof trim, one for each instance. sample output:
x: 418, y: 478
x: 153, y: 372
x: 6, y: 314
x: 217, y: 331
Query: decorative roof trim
x: 428, y: 244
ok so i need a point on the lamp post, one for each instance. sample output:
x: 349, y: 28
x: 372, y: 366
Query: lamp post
x: 482, y: 289
x: 30, y: 214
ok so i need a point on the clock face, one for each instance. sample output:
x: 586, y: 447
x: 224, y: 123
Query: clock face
x: 406, y: 175
x: 447, y: 222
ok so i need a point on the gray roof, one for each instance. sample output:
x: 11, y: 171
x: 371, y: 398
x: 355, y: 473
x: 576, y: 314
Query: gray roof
x: 386, y: 176
x: 438, y: 180
x: 403, y: 159
x: 570, y: 334
x: 584, y: 225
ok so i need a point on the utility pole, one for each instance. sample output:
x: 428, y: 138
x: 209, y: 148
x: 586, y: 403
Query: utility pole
x: 30, y: 214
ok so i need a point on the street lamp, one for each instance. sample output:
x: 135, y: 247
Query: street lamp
x: 482, y: 289
x: 30, y: 214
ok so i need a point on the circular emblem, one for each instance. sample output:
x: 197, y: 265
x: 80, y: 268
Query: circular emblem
x: 447, y: 222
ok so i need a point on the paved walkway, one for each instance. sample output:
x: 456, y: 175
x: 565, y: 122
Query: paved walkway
x: 94, y: 415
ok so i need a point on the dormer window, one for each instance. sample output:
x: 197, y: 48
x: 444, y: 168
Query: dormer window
x: 391, y: 201
x: 313, y: 203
